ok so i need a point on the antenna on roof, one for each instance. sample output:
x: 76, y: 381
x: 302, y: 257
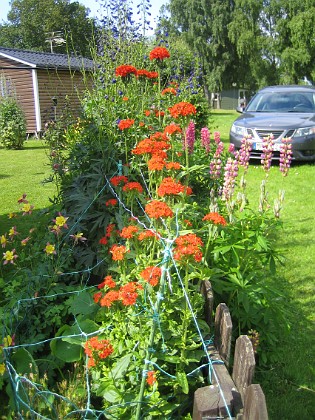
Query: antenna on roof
x: 54, y: 37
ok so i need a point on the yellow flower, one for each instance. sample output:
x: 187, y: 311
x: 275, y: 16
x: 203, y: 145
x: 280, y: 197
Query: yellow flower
x: 2, y: 368
x: 9, y: 257
x: 61, y: 220
x: 11, y: 215
x: 7, y: 341
x: 3, y: 241
x: 50, y: 249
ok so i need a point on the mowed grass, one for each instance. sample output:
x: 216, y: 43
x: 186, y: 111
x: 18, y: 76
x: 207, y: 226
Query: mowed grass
x: 24, y: 172
x: 289, y: 385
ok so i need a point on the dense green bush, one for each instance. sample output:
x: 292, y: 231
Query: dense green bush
x: 12, y: 124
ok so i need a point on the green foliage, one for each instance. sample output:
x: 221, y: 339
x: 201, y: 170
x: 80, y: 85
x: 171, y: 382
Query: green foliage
x: 12, y: 124
x: 31, y: 23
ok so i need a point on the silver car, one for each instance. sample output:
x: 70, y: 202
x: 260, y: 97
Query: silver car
x: 281, y: 111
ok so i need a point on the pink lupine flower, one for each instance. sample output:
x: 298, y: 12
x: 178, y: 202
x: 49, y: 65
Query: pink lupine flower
x: 244, y: 152
x: 205, y: 138
x: 267, y: 153
x: 189, y: 139
x: 285, y: 156
x: 230, y: 175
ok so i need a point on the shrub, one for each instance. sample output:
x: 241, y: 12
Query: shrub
x: 12, y: 124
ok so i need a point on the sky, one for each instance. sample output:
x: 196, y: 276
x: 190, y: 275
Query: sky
x: 93, y: 5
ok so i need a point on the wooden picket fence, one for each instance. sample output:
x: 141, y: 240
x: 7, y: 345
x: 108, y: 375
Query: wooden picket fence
x: 229, y: 395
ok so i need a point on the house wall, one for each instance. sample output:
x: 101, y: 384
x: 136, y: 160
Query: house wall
x: 22, y: 82
x: 63, y: 85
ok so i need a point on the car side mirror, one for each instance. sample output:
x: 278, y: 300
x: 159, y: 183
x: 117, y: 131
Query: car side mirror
x: 240, y: 109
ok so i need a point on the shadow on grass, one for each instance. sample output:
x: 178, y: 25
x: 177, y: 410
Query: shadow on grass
x: 37, y: 219
x: 5, y: 176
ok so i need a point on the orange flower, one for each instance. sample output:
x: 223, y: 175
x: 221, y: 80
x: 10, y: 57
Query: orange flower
x: 97, y: 296
x: 125, y: 98
x: 107, y: 281
x: 182, y: 109
x: 187, y: 246
x: 124, y: 124
x: 172, y: 91
x: 119, y: 179
x: 151, y: 377
x: 118, y: 252
x: 169, y: 186
x: 133, y: 186
x: 156, y: 209
x: 148, y: 74
x: 128, y: 293
x: 159, y: 53
x: 103, y: 241
x: 172, y: 128
x: 125, y: 70
x: 173, y: 165
x: 216, y: 218
x: 109, y: 298
x: 111, y: 202
x: 128, y: 232
x: 151, y: 274
x: 147, y: 112
x: 96, y: 348
x: 156, y: 163
x: 147, y: 234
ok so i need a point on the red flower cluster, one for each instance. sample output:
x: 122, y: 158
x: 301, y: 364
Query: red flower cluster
x: 172, y: 128
x: 124, y: 124
x: 147, y: 234
x: 182, y: 109
x: 118, y: 252
x: 172, y: 91
x: 151, y: 146
x: 152, y: 275
x: 156, y: 163
x: 148, y: 74
x: 156, y: 209
x: 159, y: 53
x: 125, y: 70
x: 215, y: 218
x: 127, y: 294
x: 187, y: 246
x: 128, y: 232
x: 151, y: 377
x: 111, y: 202
x: 119, y: 179
x: 107, y: 281
x: 169, y: 186
x: 132, y: 186
x: 109, y: 230
x: 97, y: 349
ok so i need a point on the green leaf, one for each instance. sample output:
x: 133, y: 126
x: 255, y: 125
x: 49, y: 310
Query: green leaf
x: 121, y: 367
x: 111, y: 394
x: 24, y: 362
x: 182, y: 380
x: 83, y: 304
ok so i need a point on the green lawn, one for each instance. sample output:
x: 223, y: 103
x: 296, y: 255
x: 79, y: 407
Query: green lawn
x: 289, y: 385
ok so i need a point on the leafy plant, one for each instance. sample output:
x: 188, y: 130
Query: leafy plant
x: 12, y: 124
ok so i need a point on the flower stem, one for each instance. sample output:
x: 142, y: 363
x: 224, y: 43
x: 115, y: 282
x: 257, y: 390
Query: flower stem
x: 151, y: 340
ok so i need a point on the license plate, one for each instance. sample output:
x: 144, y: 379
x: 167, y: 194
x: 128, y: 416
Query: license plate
x: 259, y: 146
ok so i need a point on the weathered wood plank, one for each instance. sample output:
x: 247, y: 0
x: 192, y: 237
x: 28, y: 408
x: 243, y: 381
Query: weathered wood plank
x: 244, y: 364
x: 221, y: 397
x: 223, y: 332
x: 207, y: 292
x: 255, y: 407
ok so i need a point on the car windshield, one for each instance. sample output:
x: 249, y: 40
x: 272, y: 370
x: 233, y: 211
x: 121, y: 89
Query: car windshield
x: 283, y: 102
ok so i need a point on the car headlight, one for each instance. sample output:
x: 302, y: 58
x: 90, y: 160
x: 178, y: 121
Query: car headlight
x: 238, y: 130
x: 300, y: 132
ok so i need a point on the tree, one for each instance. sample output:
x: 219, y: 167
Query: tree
x: 203, y: 24
x: 32, y: 22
